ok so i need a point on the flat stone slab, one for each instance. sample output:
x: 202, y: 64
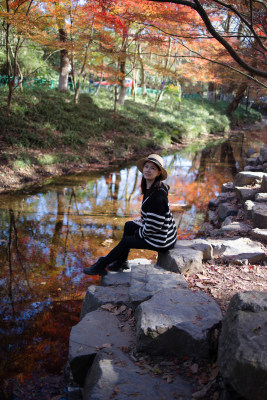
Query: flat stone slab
x: 248, y: 178
x: 248, y: 207
x: 227, y: 187
x: 259, y: 216
x: 147, y: 281
x: 259, y: 234
x: 245, y: 193
x: 177, y: 322
x: 261, y: 197
x: 96, y: 296
x: 123, y: 278
x: 98, y: 330
x: 115, y: 376
x: 240, y: 250
x: 242, y: 356
x: 236, y: 227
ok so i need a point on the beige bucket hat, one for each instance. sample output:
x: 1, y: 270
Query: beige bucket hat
x: 157, y: 160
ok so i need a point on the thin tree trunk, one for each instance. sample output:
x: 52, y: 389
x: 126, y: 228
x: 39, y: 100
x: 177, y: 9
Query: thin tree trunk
x: 238, y: 97
x: 143, y: 78
x: 163, y: 80
x: 64, y: 63
x: 122, y: 69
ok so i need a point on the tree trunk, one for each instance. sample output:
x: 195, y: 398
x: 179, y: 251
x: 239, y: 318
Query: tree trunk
x: 158, y: 99
x: 143, y: 77
x: 64, y: 63
x: 122, y: 69
x: 238, y: 97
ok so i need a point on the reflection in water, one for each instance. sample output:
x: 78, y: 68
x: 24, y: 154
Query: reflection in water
x: 48, y: 237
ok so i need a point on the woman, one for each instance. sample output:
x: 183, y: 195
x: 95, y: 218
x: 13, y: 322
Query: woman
x: 156, y: 230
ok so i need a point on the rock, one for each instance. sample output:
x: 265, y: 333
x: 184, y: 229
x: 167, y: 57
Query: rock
x: 251, y: 161
x: 259, y: 234
x: 236, y: 228
x: 146, y: 282
x: 254, y: 168
x: 264, y: 167
x: 177, y: 322
x: 264, y: 184
x: 263, y: 153
x: 242, y: 250
x: 261, y: 197
x: 242, y: 356
x: 259, y: 215
x: 123, y: 278
x: 248, y: 207
x: 248, y: 178
x: 251, y: 151
x: 228, y: 196
x: 96, y: 296
x: 227, y: 187
x: 227, y: 221
x: 98, y: 330
x: 227, y: 210
x: 245, y: 193
x: 213, y: 204
x: 115, y: 376
x: 181, y: 259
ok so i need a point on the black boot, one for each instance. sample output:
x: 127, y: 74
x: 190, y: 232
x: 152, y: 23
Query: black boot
x: 118, y: 266
x: 97, y: 268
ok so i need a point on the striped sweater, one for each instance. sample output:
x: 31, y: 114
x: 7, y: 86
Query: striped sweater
x: 158, y: 227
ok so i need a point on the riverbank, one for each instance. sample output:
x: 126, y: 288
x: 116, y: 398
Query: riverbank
x: 45, y: 135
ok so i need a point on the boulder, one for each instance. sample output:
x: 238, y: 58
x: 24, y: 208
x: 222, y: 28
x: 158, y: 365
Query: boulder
x: 263, y: 153
x: 259, y: 234
x: 246, y: 193
x: 251, y: 161
x: 251, y: 151
x: 98, y: 330
x: 248, y: 178
x: 248, y: 207
x: 254, y: 168
x: 96, y: 296
x: 242, y: 355
x: 115, y: 376
x: 146, y: 282
x: 226, y: 210
x: 123, y: 278
x: 242, y: 250
x: 236, y: 228
x: 264, y: 184
x: 227, y: 187
x: 261, y: 197
x: 259, y: 215
x: 177, y: 322
x: 181, y: 259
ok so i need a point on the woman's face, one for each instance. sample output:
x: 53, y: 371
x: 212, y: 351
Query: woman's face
x: 150, y: 171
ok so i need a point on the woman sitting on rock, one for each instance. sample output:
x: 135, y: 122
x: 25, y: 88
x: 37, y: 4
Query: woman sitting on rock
x: 155, y: 231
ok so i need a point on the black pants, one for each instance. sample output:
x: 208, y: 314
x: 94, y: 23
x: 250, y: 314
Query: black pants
x: 129, y: 241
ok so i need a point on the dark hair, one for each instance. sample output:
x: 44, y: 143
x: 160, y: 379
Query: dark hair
x: 156, y: 185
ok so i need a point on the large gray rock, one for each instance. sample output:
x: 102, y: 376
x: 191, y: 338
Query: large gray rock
x: 98, y: 330
x: 240, y: 250
x: 123, y: 278
x: 177, y: 322
x: 227, y: 187
x: 242, y: 356
x: 264, y: 184
x: 227, y: 210
x: 261, y: 197
x: 259, y: 234
x: 181, y: 259
x: 245, y: 193
x: 248, y: 178
x: 147, y: 281
x: 259, y: 216
x: 115, y: 376
x: 263, y: 153
x: 96, y: 296
x: 236, y: 228
x: 248, y: 207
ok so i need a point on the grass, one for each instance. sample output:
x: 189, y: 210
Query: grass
x: 44, y: 127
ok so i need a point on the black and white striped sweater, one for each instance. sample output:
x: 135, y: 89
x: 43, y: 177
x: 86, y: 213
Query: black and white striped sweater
x: 158, y: 227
